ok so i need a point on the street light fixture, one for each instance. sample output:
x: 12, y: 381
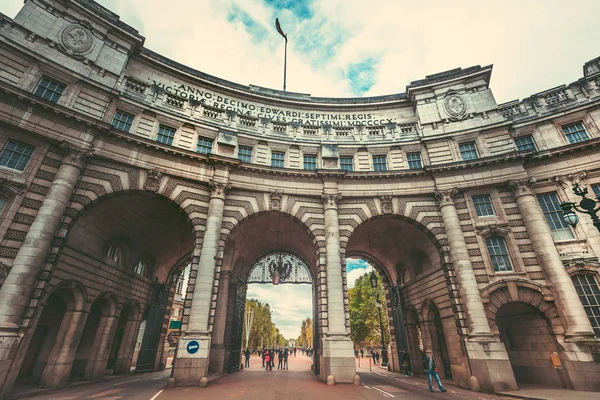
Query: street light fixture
x: 374, y: 285
x: 586, y: 206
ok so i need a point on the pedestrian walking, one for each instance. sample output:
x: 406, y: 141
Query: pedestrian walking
x: 362, y: 353
x: 295, y: 349
x: 377, y: 357
x: 263, y: 355
x: 247, y: 355
x: 268, y: 361
x: 373, y: 357
x: 285, y: 359
x: 280, y: 360
x: 355, y: 353
x: 431, y: 370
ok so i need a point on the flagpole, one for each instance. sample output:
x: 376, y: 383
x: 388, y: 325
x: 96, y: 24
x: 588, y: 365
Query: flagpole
x: 284, y: 63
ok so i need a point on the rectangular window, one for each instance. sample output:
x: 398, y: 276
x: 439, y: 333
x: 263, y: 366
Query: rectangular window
x: 553, y: 214
x: 277, y: 159
x: 204, y: 145
x: 347, y: 163
x: 483, y: 205
x: 16, y: 155
x: 496, y: 246
x: 122, y: 121
x: 245, y: 154
x: 50, y: 90
x: 379, y: 163
x: 414, y: 160
x: 575, y: 133
x: 165, y: 135
x: 310, y: 162
x: 525, y: 143
x: 589, y: 294
x: 468, y: 151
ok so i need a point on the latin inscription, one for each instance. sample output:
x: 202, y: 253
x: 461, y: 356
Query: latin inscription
x: 271, y: 113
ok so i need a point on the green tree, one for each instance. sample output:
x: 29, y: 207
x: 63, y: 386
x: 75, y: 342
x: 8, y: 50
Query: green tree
x: 364, y: 319
x: 263, y: 331
x: 306, y: 334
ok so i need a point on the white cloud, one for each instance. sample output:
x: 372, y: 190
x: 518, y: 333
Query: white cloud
x: 355, y: 269
x: 533, y: 46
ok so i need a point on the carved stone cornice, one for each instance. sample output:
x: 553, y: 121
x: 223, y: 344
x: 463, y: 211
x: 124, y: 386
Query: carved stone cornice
x: 75, y: 155
x: 445, y: 197
x: 218, y: 189
x: 569, y: 180
x: 331, y: 199
x: 492, y: 229
x: 522, y: 187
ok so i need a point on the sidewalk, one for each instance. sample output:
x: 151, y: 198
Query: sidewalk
x: 528, y: 393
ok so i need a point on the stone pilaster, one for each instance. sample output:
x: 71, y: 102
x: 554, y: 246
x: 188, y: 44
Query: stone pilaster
x: 477, y: 320
x: 567, y: 300
x: 14, y: 294
x: 489, y: 363
x: 96, y: 365
x: 217, y: 349
x: 338, y: 352
x: 190, y: 368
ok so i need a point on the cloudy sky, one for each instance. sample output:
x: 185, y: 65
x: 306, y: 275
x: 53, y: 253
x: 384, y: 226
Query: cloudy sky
x: 361, y: 48
x: 293, y: 303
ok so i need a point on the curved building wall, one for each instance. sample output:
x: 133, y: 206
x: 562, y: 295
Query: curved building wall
x: 459, y: 195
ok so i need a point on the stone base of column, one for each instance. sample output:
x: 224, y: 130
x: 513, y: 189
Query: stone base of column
x: 579, y: 362
x: 191, y: 360
x: 216, y: 364
x: 10, y: 361
x: 337, y: 359
x: 491, y: 366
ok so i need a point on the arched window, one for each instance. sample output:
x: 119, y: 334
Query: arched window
x: 589, y: 294
x: 140, y: 268
x: 499, y: 256
x: 114, y: 254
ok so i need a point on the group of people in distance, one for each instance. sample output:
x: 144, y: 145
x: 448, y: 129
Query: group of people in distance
x: 269, y: 355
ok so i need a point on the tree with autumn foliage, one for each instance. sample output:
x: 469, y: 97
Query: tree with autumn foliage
x: 364, y: 320
x: 263, y: 331
x: 305, y: 339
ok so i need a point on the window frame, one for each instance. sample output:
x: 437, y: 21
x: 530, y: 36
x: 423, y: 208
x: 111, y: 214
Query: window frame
x: 506, y: 257
x: 163, y: 128
x: 240, y: 154
x: 409, y: 161
x: 312, y: 162
x: 342, y: 164
x: 476, y: 204
x: 557, y: 212
x: 47, y: 89
x: 120, y: 121
x: 17, y: 143
x: 569, y: 135
x: 595, y: 307
x: 377, y: 164
x: 203, y: 143
x: 474, y: 150
x: 277, y: 160
x: 533, y: 144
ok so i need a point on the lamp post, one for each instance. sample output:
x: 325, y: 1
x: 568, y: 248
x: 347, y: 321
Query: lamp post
x: 586, y: 206
x: 374, y: 285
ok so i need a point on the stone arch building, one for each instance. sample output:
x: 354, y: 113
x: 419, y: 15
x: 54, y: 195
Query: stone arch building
x: 119, y: 167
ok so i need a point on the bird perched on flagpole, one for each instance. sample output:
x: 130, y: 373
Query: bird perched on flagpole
x: 278, y: 27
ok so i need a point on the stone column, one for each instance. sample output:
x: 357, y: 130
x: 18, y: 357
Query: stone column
x: 338, y: 350
x: 15, y: 292
x: 190, y: 368
x: 567, y: 300
x: 217, y: 348
x: 489, y: 364
x: 57, y: 370
x: 469, y: 292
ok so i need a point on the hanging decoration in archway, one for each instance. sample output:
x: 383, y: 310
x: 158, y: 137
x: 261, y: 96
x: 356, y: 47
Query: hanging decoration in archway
x: 278, y: 268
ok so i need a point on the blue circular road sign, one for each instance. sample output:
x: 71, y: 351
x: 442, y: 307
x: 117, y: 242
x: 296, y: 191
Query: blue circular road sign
x: 193, y: 346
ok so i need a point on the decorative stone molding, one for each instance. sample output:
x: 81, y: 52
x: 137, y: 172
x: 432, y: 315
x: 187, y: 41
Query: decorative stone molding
x: 4, y: 268
x: 218, y: 189
x: 10, y: 189
x: 386, y: 204
x: 445, y: 197
x: 153, y: 180
x: 570, y: 179
x: 331, y: 199
x: 455, y: 106
x: 275, y: 200
x: 76, y: 156
x: 523, y: 186
x: 492, y: 229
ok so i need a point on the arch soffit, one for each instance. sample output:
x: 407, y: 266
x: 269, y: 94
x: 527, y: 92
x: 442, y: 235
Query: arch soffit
x: 113, y: 307
x: 412, y: 315
x: 78, y: 296
x: 246, y: 272
x: 428, y: 308
x: 136, y: 309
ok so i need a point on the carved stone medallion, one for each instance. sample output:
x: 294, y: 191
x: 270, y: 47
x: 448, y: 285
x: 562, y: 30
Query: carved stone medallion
x: 455, y: 105
x: 76, y: 39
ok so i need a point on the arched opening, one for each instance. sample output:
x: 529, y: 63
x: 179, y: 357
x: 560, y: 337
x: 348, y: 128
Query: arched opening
x: 530, y: 343
x: 414, y: 339
x: 437, y: 340
x: 408, y: 259
x: 122, y: 348
x: 283, y: 253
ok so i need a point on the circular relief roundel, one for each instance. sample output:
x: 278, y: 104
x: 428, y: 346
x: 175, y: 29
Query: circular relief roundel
x: 455, y: 105
x: 76, y: 38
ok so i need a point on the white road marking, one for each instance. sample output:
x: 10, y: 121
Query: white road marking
x: 383, y: 392
x: 156, y: 395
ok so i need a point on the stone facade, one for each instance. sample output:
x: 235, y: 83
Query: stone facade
x: 120, y: 167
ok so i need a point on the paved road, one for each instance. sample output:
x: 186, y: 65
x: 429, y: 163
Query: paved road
x: 256, y: 383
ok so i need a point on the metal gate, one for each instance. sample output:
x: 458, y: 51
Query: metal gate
x: 401, y: 341
x: 154, y: 324
x: 316, y: 336
x: 238, y: 326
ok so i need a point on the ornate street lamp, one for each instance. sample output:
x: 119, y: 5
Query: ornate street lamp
x: 374, y: 285
x: 586, y: 206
